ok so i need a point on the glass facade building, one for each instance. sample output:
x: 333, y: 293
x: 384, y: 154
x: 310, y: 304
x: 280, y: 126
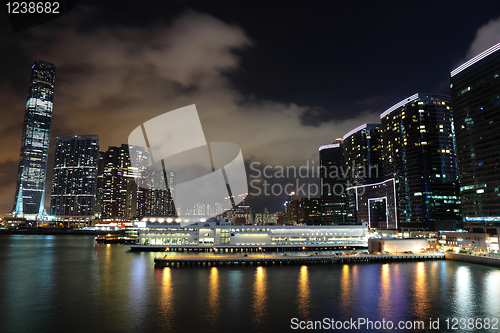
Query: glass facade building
x: 31, y: 177
x: 159, y: 198
x: 332, y: 183
x: 475, y: 94
x: 419, y: 153
x: 375, y: 204
x: 119, y: 197
x: 303, y: 211
x: 74, y: 177
x: 363, y: 162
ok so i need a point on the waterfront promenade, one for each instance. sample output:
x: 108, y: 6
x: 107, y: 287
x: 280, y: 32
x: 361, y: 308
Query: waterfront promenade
x: 473, y: 259
x: 225, y: 260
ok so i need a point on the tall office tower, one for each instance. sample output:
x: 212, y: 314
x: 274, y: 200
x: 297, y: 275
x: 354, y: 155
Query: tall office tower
x: 332, y: 183
x: 135, y: 200
x: 475, y: 94
x: 172, y: 183
x: 99, y: 193
x: 31, y: 176
x: 419, y: 153
x: 159, y: 198
x: 303, y: 211
x: 119, y: 195
x: 74, y: 180
x: 363, y: 162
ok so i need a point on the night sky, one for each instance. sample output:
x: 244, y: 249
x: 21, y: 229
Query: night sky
x: 278, y: 78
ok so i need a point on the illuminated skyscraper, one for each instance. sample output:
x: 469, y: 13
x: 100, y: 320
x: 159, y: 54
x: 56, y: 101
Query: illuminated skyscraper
x: 363, y: 163
x: 74, y: 180
x: 303, y: 211
x: 118, y: 195
x: 475, y: 94
x: 159, y: 201
x: 332, y: 183
x: 31, y: 176
x: 419, y: 153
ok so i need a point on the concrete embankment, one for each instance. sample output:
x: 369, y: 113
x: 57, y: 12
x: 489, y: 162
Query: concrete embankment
x: 488, y: 261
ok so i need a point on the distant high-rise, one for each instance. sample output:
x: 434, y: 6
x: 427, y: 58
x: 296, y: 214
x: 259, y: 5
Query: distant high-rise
x: 303, y: 211
x: 419, y: 153
x: 31, y: 176
x: 119, y: 197
x: 363, y: 162
x: 159, y: 199
x: 332, y: 183
x: 74, y: 178
x: 475, y: 94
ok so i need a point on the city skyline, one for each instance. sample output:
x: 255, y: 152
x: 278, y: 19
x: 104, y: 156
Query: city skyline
x: 257, y: 120
x: 250, y: 166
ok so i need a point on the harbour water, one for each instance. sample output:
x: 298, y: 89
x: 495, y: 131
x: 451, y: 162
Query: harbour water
x: 71, y: 284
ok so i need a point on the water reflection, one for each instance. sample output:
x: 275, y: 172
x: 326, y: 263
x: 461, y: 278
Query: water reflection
x: 213, y: 295
x: 303, y: 293
x: 136, y: 286
x: 45, y: 271
x: 234, y: 288
x: 106, y: 275
x: 345, y: 286
x: 420, y: 296
x: 491, y: 291
x: 259, y: 296
x: 241, y: 299
x: 385, y: 302
x: 463, y: 291
x: 167, y: 295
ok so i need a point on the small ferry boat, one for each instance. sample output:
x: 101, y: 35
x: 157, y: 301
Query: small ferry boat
x: 114, y: 239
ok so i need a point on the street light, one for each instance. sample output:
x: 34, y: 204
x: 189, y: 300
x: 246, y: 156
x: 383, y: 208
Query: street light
x: 215, y: 251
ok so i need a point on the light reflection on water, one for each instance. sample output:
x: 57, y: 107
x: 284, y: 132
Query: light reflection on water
x: 116, y: 290
x: 491, y: 290
x: 167, y: 301
x: 420, y: 298
x: 462, y: 292
x: 303, y: 293
x: 259, y: 304
x: 385, y: 301
x: 345, y: 288
x: 213, y: 296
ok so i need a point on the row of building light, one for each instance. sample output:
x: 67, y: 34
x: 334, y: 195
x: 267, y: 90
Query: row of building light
x: 438, y: 149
